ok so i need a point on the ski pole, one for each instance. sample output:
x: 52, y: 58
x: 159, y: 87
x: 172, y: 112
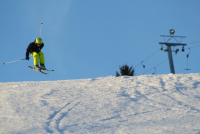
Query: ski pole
x: 41, y: 30
x: 13, y: 61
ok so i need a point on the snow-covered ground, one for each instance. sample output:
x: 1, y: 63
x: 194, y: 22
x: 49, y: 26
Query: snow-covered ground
x: 146, y: 104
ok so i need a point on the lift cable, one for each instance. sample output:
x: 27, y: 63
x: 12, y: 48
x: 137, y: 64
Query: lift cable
x: 193, y: 47
x: 146, y: 59
x: 194, y: 42
x: 156, y: 66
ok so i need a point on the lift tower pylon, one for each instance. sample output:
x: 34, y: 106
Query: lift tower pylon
x: 169, y: 45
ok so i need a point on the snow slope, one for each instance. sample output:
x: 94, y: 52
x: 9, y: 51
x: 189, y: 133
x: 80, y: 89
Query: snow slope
x: 153, y: 104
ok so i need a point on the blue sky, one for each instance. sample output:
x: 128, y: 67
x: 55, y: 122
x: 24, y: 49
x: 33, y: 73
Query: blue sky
x: 90, y: 39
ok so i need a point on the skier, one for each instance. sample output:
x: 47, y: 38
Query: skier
x: 34, y: 49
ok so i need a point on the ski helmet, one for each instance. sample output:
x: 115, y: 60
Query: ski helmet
x: 38, y: 41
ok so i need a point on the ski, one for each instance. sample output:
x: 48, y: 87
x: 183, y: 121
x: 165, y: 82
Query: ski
x: 47, y: 70
x: 38, y: 70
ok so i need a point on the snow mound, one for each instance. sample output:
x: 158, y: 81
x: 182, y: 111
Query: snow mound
x: 138, y: 104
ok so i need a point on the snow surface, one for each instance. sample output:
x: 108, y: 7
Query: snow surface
x: 153, y: 104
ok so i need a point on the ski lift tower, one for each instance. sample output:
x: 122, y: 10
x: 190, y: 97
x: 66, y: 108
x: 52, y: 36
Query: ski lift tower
x: 169, y: 45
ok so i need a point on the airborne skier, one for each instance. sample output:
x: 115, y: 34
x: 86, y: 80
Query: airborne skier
x: 34, y: 49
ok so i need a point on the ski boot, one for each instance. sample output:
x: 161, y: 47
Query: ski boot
x: 42, y: 67
x: 37, y: 68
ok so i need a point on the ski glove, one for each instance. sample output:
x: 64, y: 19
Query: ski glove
x: 27, y: 58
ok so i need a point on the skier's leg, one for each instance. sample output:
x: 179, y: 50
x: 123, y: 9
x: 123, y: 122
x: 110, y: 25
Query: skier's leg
x: 35, y: 58
x: 42, y: 59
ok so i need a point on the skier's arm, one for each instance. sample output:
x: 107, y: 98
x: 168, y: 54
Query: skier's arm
x: 27, y: 52
x: 42, y: 45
